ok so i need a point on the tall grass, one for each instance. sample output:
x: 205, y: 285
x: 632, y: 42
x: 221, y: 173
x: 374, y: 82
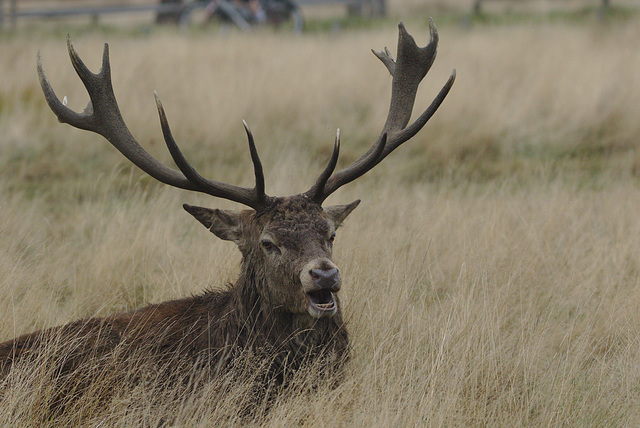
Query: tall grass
x: 491, y: 272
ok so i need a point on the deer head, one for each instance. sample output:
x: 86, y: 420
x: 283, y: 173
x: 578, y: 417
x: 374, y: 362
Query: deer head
x: 286, y: 242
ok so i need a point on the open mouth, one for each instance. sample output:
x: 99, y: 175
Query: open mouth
x: 322, y: 303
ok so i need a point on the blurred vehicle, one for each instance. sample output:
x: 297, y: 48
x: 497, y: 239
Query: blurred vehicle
x: 243, y: 14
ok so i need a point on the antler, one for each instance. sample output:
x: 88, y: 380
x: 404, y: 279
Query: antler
x: 407, y: 71
x: 102, y: 116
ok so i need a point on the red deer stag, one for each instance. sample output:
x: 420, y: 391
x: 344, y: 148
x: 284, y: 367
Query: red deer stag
x: 284, y: 303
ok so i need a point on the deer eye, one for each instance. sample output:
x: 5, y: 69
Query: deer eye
x: 332, y: 238
x: 270, y: 247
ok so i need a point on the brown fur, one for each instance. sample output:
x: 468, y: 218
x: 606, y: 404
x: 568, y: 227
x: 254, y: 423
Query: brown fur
x: 264, y: 313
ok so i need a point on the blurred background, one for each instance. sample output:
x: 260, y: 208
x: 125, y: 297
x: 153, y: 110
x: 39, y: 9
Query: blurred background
x: 492, y: 271
x: 245, y: 13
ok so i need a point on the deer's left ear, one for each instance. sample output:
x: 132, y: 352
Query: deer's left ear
x: 337, y: 213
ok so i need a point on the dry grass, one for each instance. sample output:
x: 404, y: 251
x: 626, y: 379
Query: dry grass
x: 491, y: 273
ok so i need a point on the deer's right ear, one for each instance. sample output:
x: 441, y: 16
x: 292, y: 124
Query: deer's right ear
x: 225, y: 224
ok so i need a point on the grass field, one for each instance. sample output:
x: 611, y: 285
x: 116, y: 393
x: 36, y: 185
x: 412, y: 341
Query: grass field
x: 491, y: 274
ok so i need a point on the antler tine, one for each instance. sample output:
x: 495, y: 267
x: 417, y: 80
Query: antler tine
x: 408, y: 132
x: 407, y: 71
x: 204, y: 185
x: 102, y: 116
x: 91, y: 81
x: 260, y: 195
x: 325, y: 184
x: 64, y: 113
x: 318, y: 189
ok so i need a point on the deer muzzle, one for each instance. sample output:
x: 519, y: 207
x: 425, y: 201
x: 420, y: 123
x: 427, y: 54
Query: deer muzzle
x: 320, y: 281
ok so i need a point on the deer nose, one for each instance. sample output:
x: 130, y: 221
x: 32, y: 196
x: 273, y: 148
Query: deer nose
x: 326, y: 278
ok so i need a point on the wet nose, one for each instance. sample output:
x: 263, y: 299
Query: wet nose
x: 326, y: 278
